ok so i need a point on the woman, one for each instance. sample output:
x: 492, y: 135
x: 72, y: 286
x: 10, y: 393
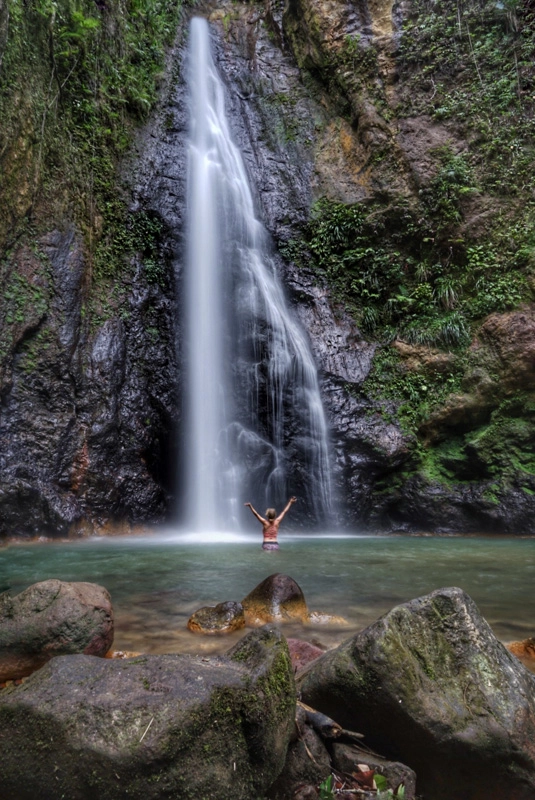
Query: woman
x: 270, y: 526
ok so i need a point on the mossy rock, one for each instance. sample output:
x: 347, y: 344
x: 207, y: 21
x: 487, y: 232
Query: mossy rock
x: 157, y: 727
x: 430, y: 685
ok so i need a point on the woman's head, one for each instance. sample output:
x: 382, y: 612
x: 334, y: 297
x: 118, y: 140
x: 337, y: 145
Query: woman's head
x: 270, y: 513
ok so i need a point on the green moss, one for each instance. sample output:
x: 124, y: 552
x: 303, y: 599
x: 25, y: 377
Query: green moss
x: 424, y: 269
x: 416, y: 395
x: 502, y: 451
x: 471, y: 65
x: 76, y: 80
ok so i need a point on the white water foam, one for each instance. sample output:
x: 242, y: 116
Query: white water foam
x: 254, y: 408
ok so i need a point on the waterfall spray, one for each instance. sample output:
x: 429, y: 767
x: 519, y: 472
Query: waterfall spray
x: 256, y: 426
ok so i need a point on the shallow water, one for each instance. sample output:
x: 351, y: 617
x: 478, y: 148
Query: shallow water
x: 158, y: 580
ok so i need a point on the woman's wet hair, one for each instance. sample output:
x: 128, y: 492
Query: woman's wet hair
x: 271, y: 513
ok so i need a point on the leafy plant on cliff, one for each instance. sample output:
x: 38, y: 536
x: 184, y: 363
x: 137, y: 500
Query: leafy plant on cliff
x: 401, y: 275
x: 453, y: 181
x: 77, y: 77
x: 471, y: 65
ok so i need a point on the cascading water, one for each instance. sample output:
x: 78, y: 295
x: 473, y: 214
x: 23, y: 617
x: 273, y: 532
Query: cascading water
x: 256, y: 429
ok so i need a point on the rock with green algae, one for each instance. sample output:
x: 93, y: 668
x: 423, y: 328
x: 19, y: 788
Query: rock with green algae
x: 223, y: 618
x: 165, y: 726
x: 430, y: 685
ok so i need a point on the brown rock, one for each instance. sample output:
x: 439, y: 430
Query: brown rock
x: 121, y: 654
x: 52, y: 618
x: 511, y: 340
x: 461, y: 412
x: 302, y: 653
x: 223, y: 618
x: 524, y: 651
x: 417, y: 358
x: 277, y: 599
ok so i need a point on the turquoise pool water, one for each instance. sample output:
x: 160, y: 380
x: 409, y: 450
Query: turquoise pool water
x: 157, y: 580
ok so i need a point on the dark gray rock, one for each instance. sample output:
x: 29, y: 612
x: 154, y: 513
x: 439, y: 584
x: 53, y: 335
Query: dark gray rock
x: 429, y: 685
x: 86, y: 411
x: 49, y: 619
x: 151, y: 727
x: 307, y: 761
x: 419, y: 504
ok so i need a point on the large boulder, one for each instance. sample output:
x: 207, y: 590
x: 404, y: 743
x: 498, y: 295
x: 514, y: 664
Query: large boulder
x: 430, y: 685
x: 52, y: 618
x: 170, y: 726
x: 277, y: 599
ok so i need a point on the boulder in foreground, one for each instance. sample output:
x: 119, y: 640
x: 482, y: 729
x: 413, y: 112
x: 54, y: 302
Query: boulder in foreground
x: 49, y: 619
x: 431, y: 686
x: 156, y: 727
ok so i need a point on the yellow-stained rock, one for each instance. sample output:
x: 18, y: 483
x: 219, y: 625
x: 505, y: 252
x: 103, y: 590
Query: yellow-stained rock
x: 277, y: 599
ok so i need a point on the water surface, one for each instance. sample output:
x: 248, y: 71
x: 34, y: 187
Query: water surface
x: 157, y: 581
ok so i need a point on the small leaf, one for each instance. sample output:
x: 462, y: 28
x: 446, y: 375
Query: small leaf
x: 326, y: 789
x: 380, y: 782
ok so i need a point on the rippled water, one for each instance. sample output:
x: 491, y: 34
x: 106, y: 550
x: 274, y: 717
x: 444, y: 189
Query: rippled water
x: 158, y: 580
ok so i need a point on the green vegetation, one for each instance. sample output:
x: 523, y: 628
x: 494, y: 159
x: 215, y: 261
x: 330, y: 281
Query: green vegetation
x: 427, y: 267
x: 416, y: 394
x: 399, y: 275
x: 328, y: 790
x: 77, y: 77
x: 472, y: 65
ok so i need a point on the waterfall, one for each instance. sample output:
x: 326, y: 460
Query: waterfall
x: 256, y: 429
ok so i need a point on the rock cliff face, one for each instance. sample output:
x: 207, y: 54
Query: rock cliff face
x: 417, y: 304
x: 87, y: 349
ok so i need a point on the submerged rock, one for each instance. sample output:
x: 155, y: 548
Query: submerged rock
x: 223, y: 618
x: 49, y: 619
x: 277, y: 599
x: 430, y: 685
x: 152, y: 726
